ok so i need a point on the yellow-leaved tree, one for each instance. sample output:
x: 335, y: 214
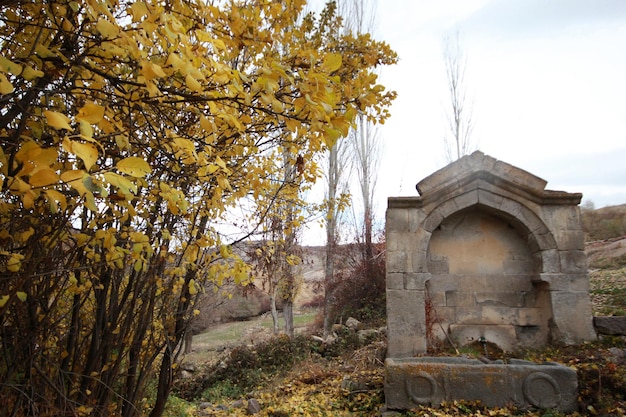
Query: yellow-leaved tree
x: 128, y: 130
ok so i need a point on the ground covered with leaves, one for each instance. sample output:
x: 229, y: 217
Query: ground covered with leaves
x: 300, y: 378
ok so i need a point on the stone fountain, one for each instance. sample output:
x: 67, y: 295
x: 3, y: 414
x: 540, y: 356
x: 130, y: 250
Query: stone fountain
x: 484, y: 254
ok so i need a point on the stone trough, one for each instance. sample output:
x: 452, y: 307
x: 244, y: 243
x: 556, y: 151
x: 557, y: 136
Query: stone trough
x: 432, y: 380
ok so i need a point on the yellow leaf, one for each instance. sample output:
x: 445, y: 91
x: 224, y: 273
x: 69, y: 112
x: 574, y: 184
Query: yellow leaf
x: 56, y: 197
x: 43, y: 51
x: 16, y: 184
x: 87, y: 152
x: 206, y: 125
x: 107, y: 29
x: 24, y: 236
x: 5, y: 85
x: 57, y: 120
x: 332, y: 62
x: 223, y: 183
x: 91, y: 113
x: 124, y: 184
x: 75, y: 179
x: 14, y: 263
x: 193, y: 84
x: 85, y: 129
x: 3, y: 300
x: 174, y: 60
x: 192, y: 287
x: 43, y: 177
x: 138, y: 10
x: 30, y: 74
x: 134, y: 166
x: 292, y: 125
x: 10, y: 66
x: 21, y: 295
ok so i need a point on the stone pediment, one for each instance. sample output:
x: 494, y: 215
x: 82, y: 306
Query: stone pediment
x: 482, y: 171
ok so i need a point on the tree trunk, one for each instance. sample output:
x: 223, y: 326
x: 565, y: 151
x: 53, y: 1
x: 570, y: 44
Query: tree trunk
x: 274, y: 312
x: 188, y: 340
x: 288, y: 316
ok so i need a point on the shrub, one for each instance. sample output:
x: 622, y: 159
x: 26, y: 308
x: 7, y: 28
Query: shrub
x: 361, y: 292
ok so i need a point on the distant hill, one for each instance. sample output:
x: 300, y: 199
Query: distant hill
x: 604, y: 223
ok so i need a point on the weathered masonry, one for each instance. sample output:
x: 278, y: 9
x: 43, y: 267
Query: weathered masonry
x: 485, y: 253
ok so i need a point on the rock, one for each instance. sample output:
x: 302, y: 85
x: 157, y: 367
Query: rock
x: 612, y: 325
x: 317, y: 339
x: 253, y: 406
x: 337, y: 328
x: 617, y: 355
x: 204, y: 405
x: 188, y: 366
x: 352, y: 386
x: 367, y: 335
x: 352, y: 323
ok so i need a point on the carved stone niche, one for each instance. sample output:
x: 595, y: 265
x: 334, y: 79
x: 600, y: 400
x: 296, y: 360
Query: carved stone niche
x: 485, y: 253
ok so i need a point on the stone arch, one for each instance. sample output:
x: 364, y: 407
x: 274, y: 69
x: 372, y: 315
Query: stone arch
x: 539, y: 236
x: 486, y: 286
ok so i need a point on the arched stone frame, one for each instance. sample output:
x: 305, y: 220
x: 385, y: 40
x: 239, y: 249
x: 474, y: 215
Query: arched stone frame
x: 538, y: 237
x: 538, y: 212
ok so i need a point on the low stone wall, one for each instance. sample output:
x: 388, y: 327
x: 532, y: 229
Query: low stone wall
x: 432, y: 380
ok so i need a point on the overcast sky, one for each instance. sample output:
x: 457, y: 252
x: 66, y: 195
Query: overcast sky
x: 547, y: 79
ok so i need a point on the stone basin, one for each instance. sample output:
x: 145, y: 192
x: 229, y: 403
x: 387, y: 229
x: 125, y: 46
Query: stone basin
x: 432, y: 380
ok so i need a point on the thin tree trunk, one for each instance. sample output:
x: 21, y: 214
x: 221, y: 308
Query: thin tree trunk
x: 274, y: 312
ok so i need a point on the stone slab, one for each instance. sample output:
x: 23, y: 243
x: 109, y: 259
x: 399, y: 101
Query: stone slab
x: 612, y: 325
x: 432, y: 380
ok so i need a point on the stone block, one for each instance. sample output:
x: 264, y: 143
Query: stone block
x: 416, y: 218
x: 573, y: 261
x: 397, y: 261
x: 572, y: 317
x: 468, y: 315
x: 545, y: 239
x: 517, y: 266
x: 499, y: 315
x: 432, y: 221
x: 443, y: 282
x: 530, y: 316
x: 406, y: 318
x: 550, y: 261
x: 438, y: 266
x: 432, y: 380
x: 500, y: 299
x: 571, y: 240
x: 393, y: 240
x: 489, y: 199
x: 459, y: 299
x: 466, y: 200
x: 395, y: 280
x: 416, y: 280
x: 444, y: 314
x: 397, y: 219
x: 419, y: 261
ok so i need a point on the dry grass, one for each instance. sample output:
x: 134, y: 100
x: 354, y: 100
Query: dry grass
x: 607, y: 289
